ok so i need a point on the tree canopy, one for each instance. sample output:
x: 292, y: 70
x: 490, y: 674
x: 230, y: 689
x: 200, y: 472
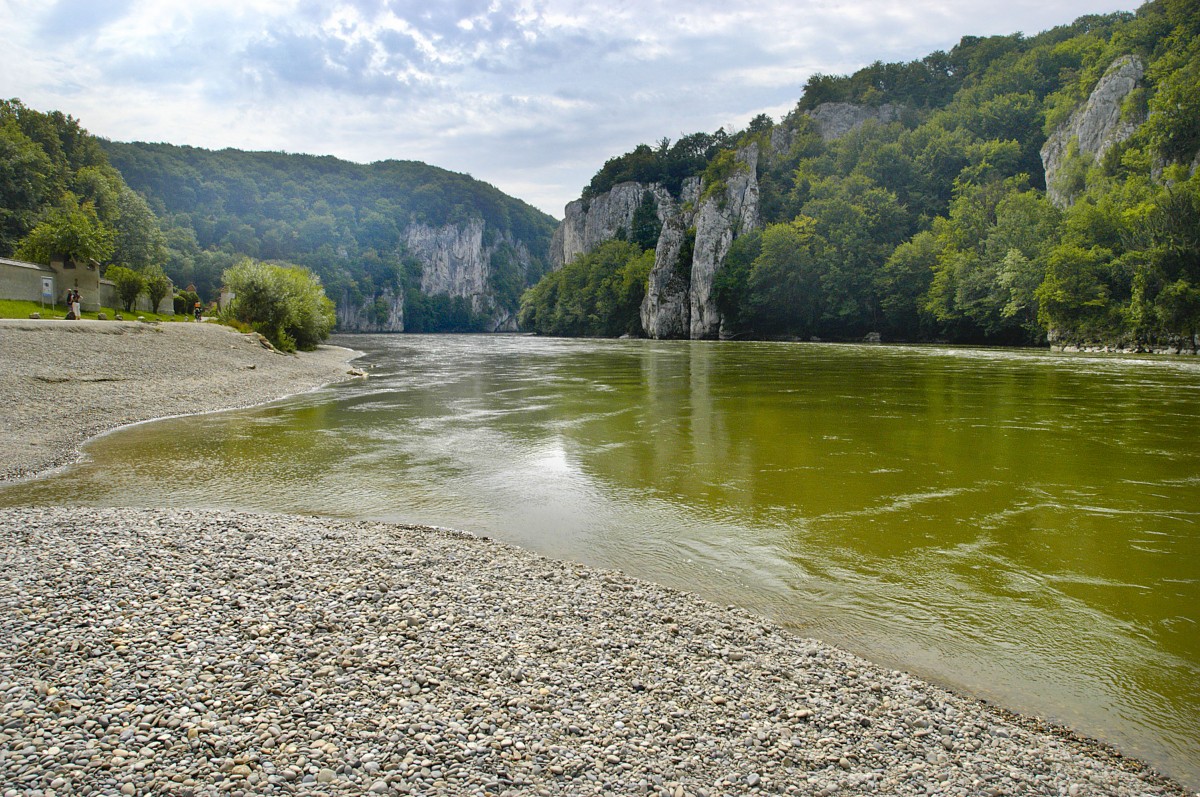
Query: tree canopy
x: 938, y: 225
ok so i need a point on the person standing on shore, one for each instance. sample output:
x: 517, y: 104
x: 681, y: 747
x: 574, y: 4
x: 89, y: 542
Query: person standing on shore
x: 77, y: 307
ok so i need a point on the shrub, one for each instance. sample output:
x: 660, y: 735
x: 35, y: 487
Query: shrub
x: 129, y: 284
x: 285, y: 304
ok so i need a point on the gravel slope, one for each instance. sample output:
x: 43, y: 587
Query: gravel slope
x: 178, y: 652
x: 160, y: 652
x: 63, y: 382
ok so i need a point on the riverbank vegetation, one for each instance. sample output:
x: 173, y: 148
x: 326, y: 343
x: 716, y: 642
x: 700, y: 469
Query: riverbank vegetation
x: 190, y: 215
x: 286, y: 305
x: 934, y: 220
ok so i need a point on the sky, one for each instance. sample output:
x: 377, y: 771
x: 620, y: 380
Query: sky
x: 532, y: 96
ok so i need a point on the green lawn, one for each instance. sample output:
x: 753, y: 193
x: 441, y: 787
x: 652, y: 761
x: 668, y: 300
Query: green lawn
x: 11, y: 308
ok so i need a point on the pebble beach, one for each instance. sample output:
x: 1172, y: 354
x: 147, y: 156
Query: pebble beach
x: 154, y: 651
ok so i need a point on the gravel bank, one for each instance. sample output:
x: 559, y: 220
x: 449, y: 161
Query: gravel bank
x: 63, y: 382
x: 177, y: 652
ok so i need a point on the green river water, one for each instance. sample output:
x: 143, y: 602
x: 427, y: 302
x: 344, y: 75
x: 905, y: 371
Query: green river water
x: 1018, y: 525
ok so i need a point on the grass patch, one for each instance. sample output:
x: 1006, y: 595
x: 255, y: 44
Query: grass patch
x: 14, y: 308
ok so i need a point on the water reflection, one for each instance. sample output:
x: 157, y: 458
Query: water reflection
x: 1013, y: 523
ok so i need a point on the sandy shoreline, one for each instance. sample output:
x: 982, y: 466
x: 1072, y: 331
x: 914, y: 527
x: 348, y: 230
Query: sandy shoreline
x: 62, y: 383
x: 177, y: 652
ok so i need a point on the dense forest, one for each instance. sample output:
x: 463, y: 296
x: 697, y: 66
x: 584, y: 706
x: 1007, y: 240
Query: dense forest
x: 59, y: 192
x: 347, y: 222
x: 194, y: 214
x: 934, y: 221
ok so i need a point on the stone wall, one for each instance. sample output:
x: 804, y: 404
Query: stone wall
x: 23, y: 281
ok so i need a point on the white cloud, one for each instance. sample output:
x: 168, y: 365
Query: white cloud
x: 530, y: 95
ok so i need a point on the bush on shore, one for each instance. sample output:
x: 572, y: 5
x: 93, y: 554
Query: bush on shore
x: 285, y: 304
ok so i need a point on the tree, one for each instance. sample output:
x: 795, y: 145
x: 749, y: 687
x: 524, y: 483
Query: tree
x: 285, y: 304
x: 129, y: 284
x: 71, y: 230
x: 157, y: 284
x: 1073, y: 301
x: 25, y: 172
x: 645, y: 226
x: 784, y: 284
x: 139, y: 241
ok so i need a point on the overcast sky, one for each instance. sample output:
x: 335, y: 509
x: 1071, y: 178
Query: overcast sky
x: 530, y: 95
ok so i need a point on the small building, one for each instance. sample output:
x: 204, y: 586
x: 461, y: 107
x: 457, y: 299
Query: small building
x: 83, y: 277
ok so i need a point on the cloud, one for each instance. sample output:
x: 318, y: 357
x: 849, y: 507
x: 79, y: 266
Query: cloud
x: 66, y: 20
x: 530, y: 95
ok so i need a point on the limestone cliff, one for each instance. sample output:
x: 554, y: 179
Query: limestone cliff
x: 836, y: 119
x: 1094, y: 127
x: 456, y: 260
x: 383, y: 313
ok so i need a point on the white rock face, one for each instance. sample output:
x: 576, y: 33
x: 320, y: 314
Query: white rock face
x: 353, y: 317
x: 587, y: 224
x: 836, y: 119
x: 1096, y: 125
x: 456, y: 262
x: 453, y: 259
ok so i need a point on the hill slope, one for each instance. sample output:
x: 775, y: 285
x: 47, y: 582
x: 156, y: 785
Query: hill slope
x: 1014, y: 190
x: 398, y: 244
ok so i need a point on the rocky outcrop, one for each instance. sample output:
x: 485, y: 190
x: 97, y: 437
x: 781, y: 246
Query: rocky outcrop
x: 590, y: 222
x: 836, y: 119
x: 382, y: 313
x: 724, y: 214
x: 666, y: 309
x: 456, y: 261
x: 1095, y: 126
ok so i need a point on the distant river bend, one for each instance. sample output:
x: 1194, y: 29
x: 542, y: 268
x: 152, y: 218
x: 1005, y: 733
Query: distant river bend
x: 1016, y: 524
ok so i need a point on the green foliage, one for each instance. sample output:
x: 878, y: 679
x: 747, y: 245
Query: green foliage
x: 1073, y: 298
x: 158, y: 285
x: 129, y: 284
x: 440, y: 313
x: 645, y: 226
x: 666, y: 164
x: 285, y: 304
x: 731, y: 281
x: 597, y: 294
x: 345, y: 222
x: 71, y: 230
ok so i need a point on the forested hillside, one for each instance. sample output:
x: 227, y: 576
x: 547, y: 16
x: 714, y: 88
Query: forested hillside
x: 397, y: 244
x: 58, y: 191
x: 369, y: 231
x: 912, y: 200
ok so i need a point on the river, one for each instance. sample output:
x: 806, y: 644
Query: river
x: 1018, y: 525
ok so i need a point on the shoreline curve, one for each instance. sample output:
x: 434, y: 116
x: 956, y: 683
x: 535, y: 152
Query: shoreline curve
x: 424, y: 660
x: 62, y: 383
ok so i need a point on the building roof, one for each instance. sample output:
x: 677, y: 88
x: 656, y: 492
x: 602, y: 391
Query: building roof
x: 25, y: 264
